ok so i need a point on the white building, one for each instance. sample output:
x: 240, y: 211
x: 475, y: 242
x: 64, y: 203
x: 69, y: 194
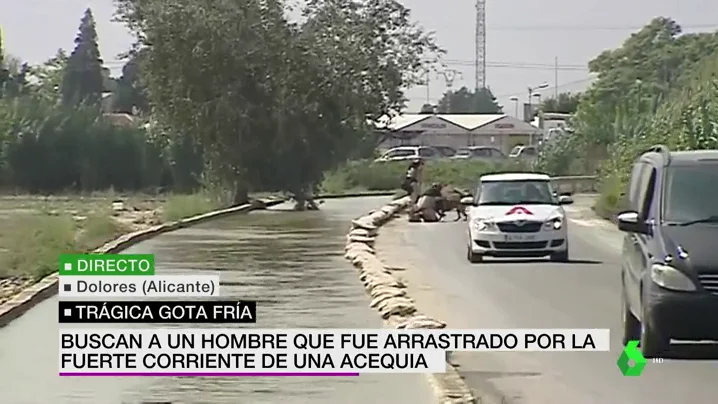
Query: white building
x: 457, y: 130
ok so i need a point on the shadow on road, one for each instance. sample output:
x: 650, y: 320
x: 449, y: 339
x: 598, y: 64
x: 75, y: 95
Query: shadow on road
x: 693, y: 351
x: 486, y: 392
x: 539, y: 260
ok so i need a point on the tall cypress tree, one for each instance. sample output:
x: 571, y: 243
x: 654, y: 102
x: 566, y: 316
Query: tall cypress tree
x: 4, y: 73
x: 82, y: 82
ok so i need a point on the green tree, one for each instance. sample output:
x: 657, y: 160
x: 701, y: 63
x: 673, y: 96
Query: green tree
x: 4, y: 71
x: 47, y: 78
x: 129, y: 93
x: 275, y: 104
x: 565, y: 103
x: 465, y: 101
x: 427, y: 109
x: 646, y: 68
x: 647, y: 91
x: 83, y: 81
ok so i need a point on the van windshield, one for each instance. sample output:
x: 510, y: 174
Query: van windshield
x: 691, y: 193
x: 529, y: 192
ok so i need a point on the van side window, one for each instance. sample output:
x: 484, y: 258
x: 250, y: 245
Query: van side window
x: 647, y: 190
x: 635, y: 186
x: 650, y: 194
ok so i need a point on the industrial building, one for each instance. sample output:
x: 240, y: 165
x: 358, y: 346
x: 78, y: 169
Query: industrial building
x: 498, y: 130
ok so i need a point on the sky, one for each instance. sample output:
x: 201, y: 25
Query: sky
x: 524, y: 38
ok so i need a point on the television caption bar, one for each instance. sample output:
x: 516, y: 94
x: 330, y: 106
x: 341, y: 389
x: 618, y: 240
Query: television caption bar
x: 158, y: 312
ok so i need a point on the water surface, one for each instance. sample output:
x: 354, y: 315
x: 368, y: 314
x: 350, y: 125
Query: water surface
x: 291, y: 263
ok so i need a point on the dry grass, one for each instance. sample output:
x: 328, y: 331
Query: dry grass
x: 35, y: 230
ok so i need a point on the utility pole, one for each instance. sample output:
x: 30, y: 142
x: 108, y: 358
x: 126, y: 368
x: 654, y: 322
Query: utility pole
x: 449, y: 76
x: 480, y: 44
x: 427, y: 77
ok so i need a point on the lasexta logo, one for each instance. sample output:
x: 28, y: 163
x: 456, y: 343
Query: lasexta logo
x: 519, y: 210
x: 631, y: 362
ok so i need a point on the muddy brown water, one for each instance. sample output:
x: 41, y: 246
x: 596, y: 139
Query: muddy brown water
x: 291, y: 263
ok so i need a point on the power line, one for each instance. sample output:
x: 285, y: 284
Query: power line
x: 525, y: 66
x: 563, y: 85
x: 434, y: 100
x: 589, y: 28
x: 516, y: 65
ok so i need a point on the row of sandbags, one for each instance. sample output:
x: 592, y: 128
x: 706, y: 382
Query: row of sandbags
x: 389, y: 295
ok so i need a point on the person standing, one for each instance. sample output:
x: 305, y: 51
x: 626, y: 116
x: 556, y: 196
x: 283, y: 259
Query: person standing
x: 412, y: 180
x: 412, y: 185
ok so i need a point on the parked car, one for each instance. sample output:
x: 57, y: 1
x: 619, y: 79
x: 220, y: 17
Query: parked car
x: 669, y: 268
x: 479, y: 152
x: 524, y: 152
x: 402, y: 153
x: 446, y: 151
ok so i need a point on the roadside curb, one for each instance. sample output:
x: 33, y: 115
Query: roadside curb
x: 390, y: 298
x: 48, y: 286
x: 356, y: 194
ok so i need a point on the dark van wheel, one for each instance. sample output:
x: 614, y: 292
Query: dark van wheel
x: 631, y: 325
x: 560, y: 256
x: 653, y: 344
x: 473, y: 257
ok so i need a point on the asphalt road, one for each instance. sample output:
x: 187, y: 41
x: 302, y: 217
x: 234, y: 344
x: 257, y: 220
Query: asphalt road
x: 541, y: 294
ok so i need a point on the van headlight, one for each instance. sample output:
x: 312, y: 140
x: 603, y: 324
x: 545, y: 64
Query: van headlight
x: 668, y: 277
x: 555, y: 223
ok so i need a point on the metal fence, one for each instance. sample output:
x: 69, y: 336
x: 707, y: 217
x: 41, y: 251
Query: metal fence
x: 575, y: 184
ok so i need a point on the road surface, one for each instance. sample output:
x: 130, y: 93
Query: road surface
x: 291, y: 263
x: 541, y: 294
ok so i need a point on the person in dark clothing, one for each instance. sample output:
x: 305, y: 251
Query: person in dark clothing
x: 412, y: 179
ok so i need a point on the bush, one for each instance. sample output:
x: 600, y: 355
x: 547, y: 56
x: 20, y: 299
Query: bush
x: 387, y: 176
x: 97, y: 229
x: 50, y: 148
x: 183, y: 206
x: 611, y: 199
x: 688, y: 120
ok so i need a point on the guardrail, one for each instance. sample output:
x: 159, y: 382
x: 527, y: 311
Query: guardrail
x: 574, y: 184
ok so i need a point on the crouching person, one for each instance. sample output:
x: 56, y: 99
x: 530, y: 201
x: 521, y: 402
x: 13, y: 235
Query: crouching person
x: 428, y: 207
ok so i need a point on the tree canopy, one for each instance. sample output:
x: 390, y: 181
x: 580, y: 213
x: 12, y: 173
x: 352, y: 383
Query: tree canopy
x: 565, y: 103
x: 275, y: 103
x: 659, y: 87
x: 639, y: 75
x: 129, y: 95
x: 465, y: 101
